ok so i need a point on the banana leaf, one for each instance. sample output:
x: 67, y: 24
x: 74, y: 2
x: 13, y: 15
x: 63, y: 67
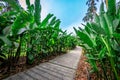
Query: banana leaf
x: 88, y: 29
x: 28, y: 4
x: 116, y: 23
x: 104, y: 23
x: 52, y: 22
x: 111, y: 8
x: 102, y: 11
x: 102, y: 53
x: 44, y: 23
x: 86, y: 38
x: 97, y: 28
x: 116, y: 35
x: 109, y: 26
x: 92, y: 61
x: 37, y: 12
x: 22, y: 20
x: 6, y: 40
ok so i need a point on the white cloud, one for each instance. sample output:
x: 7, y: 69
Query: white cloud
x: 45, y: 8
x: 117, y: 0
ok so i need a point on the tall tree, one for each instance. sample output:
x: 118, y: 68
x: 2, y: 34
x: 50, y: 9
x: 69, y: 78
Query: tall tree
x: 91, y: 10
x: 110, y: 6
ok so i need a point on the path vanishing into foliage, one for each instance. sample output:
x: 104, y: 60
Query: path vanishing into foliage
x: 61, y: 68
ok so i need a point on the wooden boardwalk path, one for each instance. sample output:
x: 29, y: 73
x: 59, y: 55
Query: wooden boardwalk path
x: 61, y: 68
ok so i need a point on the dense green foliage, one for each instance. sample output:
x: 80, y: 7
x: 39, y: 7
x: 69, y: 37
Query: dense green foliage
x: 22, y: 33
x: 101, y: 41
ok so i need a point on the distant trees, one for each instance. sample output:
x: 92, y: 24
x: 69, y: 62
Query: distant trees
x: 91, y: 10
x: 4, y: 6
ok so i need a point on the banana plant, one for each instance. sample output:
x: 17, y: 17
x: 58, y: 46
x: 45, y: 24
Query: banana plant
x: 37, y: 38
x: 100, y: 39
x: 6, y: 21
x: 23, y: 22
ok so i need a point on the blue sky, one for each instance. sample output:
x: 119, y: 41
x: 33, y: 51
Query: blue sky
x: 70, y: 12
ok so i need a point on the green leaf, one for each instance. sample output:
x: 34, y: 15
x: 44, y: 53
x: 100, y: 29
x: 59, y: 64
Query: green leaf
x: 88, y: 29
x: 97, y: 28
x: 6, y: 40
x: 94, y: 65
x: 28, y: 4
x: 96, y: 19
x: 2, y: 55
x: 105, y: 24
x: 6, y: 30
x: 111, y: 8
x: 92, y: 61
x: 85, y: 46
x: 116, y: 35
x: 14, y: 5
x: 86, y: 39
x: 57, y: 24
x: 115, y: 23
x: 52, y: 22
x: 75, y: 29
x: 22, y: 20
x: 30, y: 58
x: 102, y: 53
x: 115, y: 45
x: 10, y: 13
x: 37, y: 12
x: 44, y: 23
x: 107, y: 45
x: 109, y: 24
x: 22, y: 30
x: 102, y: 11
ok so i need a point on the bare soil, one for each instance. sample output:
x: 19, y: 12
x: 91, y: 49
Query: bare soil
x: 82, y: 70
